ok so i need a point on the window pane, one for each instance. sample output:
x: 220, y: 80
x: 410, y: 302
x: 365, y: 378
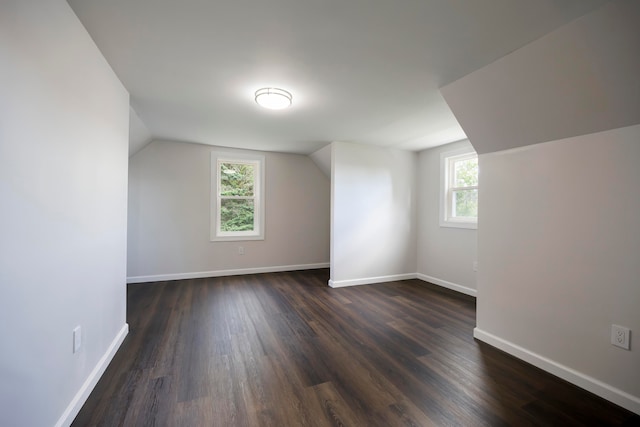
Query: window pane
x: 465, y: 203
x: 466, y: 173
x: 236, y: 179
x: 236, y: 215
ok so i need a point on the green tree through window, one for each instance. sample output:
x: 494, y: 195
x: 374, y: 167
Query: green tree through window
x: 459, y: 188
x: 237, y: 201
x: 237, y: 196
x: 465, y: 191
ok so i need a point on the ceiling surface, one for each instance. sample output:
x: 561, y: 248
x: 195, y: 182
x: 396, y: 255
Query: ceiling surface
x: 365, y: 71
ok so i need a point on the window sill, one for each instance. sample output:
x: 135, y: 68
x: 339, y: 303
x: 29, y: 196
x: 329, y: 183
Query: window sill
x: 459, y: 224
x: 235, y: 238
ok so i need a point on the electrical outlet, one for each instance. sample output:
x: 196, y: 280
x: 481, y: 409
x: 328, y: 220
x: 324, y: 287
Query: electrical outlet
x: 77, y: 339
x: 620, y: 336
x: 240, y: 250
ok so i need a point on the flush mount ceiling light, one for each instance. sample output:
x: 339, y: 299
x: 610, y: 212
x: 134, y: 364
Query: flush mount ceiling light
x: 273, y: 98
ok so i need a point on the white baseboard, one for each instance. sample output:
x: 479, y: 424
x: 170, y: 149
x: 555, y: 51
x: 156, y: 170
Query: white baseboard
x: 370, y: 280
x: 220, y: 273
x: 448, y: 285
x: 83, y: 394
x: 599, y: 388
x: 423, y: 277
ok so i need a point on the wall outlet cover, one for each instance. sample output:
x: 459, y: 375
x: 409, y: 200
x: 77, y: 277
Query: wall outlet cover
x: 620, y: 336
x: 77, y: 339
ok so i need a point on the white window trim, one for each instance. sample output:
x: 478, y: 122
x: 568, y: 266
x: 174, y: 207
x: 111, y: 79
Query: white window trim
x: 446, y: 192
x: 214, y: 203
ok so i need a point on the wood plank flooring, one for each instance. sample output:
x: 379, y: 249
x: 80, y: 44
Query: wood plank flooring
x: 283, y: 349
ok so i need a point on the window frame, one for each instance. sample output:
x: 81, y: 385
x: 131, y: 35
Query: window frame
x: 447, y: 188
x: 258, y: 161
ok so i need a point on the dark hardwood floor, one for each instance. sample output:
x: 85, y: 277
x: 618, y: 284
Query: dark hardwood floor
x: 284, y: 349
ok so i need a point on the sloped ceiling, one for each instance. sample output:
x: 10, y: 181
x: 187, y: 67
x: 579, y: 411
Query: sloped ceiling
x: 579, y: 79
x: 366, y: 71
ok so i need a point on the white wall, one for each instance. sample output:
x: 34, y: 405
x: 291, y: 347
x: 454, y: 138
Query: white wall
x: 557, y: 241
x: 139, y: 134
x: 373, y: 214
x: 63, y: 185
x: 445, y: 255
x: 559, y: 251
x: 322, y: 158
x: 580, y: 79
x: 169, y: 185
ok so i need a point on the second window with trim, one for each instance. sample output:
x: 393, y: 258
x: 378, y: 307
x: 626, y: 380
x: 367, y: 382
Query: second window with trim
x: 459, y: 189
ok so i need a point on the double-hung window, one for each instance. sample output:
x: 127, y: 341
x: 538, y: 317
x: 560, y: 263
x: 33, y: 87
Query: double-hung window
x: 237, y: 199
x: 459, y: 189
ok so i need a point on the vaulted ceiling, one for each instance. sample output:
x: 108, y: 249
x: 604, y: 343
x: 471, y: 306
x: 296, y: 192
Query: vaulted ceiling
x: 366, y: 71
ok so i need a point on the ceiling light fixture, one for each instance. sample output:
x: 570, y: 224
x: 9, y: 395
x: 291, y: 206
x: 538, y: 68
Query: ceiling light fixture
x: 273, y: 98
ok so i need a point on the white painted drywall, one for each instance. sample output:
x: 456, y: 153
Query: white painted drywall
x: 559, y: 246
x: 169, y: 185
x: 322, y: 158
x: 139, y: 134
x: 557, y: 242
x: 63, y: 185
x: 444, y: 253
x: 579, y: 79
x: 373, y: 214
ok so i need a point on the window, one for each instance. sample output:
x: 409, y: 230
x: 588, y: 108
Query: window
x: 237, y: 196
x: 459, y: 189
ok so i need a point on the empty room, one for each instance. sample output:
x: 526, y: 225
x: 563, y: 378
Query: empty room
x: 336, y: 213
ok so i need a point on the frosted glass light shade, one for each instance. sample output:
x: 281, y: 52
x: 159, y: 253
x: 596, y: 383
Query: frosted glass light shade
x: 273, y: 98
